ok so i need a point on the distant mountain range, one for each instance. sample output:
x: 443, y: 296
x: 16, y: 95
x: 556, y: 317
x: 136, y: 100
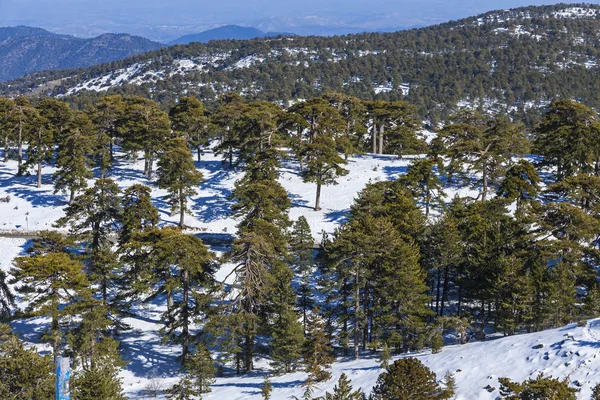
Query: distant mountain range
x: 226, y: 32
x: 24, y: 50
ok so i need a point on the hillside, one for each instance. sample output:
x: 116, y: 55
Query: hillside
x: 513, y: 61
x: 24, y: 50
x: 226, y: 32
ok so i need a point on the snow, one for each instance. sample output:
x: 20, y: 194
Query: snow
x: 151, y: 362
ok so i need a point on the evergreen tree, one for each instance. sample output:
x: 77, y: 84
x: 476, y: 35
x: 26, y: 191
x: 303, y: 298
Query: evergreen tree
x: 178, y: 174
x: 343, y: 391
x: 72, y: 159
x: 107, y: 115
x: 139, y: 214
x: 93, y: 216
x: 567, y: 137
x: 24, y: 375
x: 190, y: 118
x: 521, y: 183
x: 385, y: 357
x: 323, y: 164
x: 7, y: 299
x: 301, y: 247
x: 49, y: 283
x: 183, y: 390
x: 201, y: 368
x: 537, y: 388
x: 40, y: 140
x: 408, y: 379
x: 267, y: 388
x: 425, y: 184
x: 146, y: 128
x: 318, y: 355
x: 180, y: 267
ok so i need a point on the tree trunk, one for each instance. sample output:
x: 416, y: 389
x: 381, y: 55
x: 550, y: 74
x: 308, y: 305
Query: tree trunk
x: 6, y: 149
x: 185, y: 330
x: 367, y: 315
x: 39, y: 174
x: 438, y: 291
x: 318, y: 200
x: 374, y: 137
x: 199, y: 154
x: 150, y: 164
x: 444, y: 290
x: 20, y: 146
x: 381, y: 132
x: 485, y: 184
x: 356, y: 317
x: 181, y: 208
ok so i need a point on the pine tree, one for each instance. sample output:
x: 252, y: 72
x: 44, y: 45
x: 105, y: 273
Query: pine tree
x: 49, y: 282
x: 146, y: 128
x: 385, y: 357
x: 567, y: 137
x: 7, y: 299
x: 323, y: 164
x: 596, y: 392
x: 286, y: 346
x: 201, y: 368
x: 40, y: 140
x: 183, y: 390
x: 72, y: 159
x: 59, y: 116
x: 96, y: 354
x: 180, y: 266
x: 93, y: 216
x: 537, y: 388
x: 318, y: 355
x: 24, y: 375
x: 425, y: 184
x: 267, y: 388
x: 139, y: 214
x: 107, y: 115
x: 189, y: 117
x: 343, y: 391
x: 178, y: 174
x: 408, y: 378
x: 521, y: 183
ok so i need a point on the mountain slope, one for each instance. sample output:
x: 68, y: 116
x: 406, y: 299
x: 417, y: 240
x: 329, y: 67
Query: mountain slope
x: 227, y: 32
x: 512, y: 61
x: 24, y: 50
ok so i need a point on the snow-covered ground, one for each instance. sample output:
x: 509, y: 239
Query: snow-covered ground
x: 570, y: 351
x: 31, y: 208
x: 152, y: 363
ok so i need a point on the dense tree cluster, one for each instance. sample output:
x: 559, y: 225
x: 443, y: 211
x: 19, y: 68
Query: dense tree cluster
x: 406, y: 266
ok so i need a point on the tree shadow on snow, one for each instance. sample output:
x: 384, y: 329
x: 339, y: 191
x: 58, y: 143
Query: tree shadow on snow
x: 212, y: 202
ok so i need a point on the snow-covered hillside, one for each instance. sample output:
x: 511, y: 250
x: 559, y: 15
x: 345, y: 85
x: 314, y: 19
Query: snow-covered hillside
x: 570, y: 351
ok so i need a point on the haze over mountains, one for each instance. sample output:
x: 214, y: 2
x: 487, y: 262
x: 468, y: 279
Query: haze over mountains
x: 226, y: 32
x: 25, y: 50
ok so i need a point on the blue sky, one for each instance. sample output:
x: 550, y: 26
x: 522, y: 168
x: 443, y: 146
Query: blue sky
x: 181, y: 15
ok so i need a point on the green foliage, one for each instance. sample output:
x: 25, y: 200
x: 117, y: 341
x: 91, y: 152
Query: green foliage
x: 24, y: 375
x: 267, y: 388
x: 201, y: 369
x: 343, y: 391
x: 408, y: 379
x: 317, y: 351
x: 178, y: 174
x: 537, y: 389
x: 49, y: 282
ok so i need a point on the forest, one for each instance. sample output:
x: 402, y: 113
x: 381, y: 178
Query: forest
x: 511, y: 61
x: 405, y: 267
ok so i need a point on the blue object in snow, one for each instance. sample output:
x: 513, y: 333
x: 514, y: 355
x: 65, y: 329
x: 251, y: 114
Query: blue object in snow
x: 63, y: 373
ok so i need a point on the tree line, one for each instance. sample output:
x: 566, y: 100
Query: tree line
x: 405, y: 268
